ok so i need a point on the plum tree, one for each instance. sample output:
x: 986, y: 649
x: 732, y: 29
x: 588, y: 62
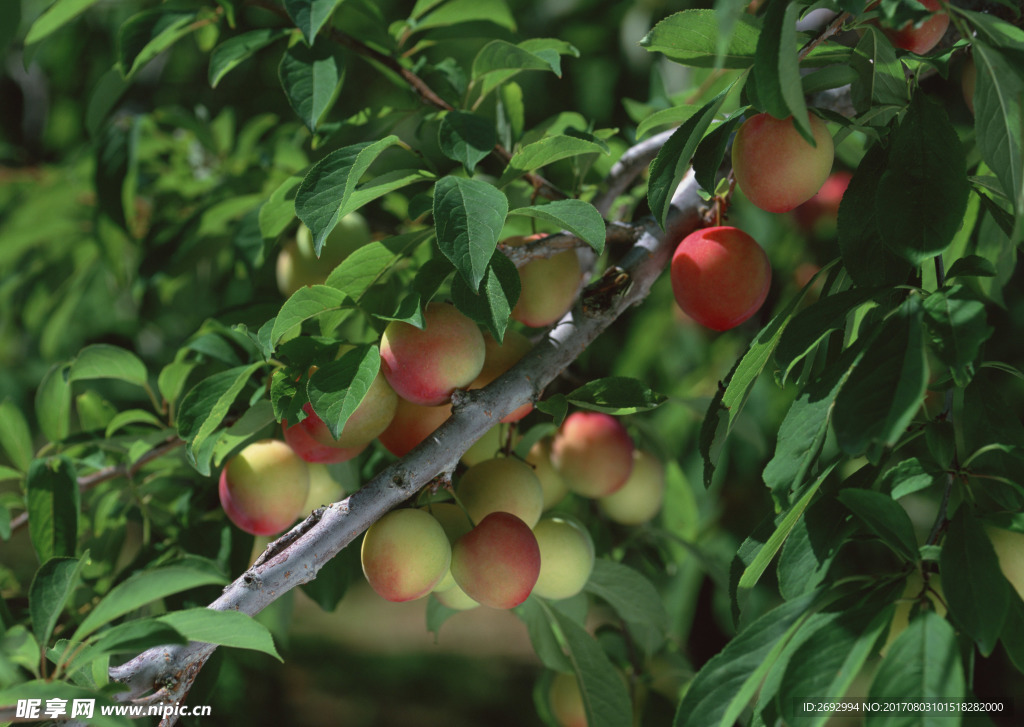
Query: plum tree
x: 922, y: 38
x: 593, y: 452
x: 426, y: 365
x: 548, y: 285
x: 501, y: 484
x: 566, y: 557
x: 777, y: 168
x: 551, y: 480
x: 566, y: 701
x: 297, y: 263
x: 405, y: 555
x: 263, y: 488
x: 411, y: 424
x: 639, y: 500
x: 497, y: 562
x: 720, y: 276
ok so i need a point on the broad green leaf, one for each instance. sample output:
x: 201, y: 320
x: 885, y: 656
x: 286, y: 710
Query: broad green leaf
x: 548, y: 150
x: 145, y: 587
x: 51, y: 587
x: 500, y: 55
x: 53, y: 403
x: 324, y: 195
x: 224, y: 628
x: 957, y: 324
x: 334, y: 578
x: 53, y: 504
x: 692, y: 38
x: 887, y: 387
x: 493, y: 304
x: 910, y: 475
x: 468, y: 217
x: 707, y: 159
x: 885, y: 518
x: 102, y: 361
x: 672, y: 116
x: 466, y: 138
x: 777, y: 68
x: 578, y: 217
x: 811, y: 547
x: 278, y: 212
x: 629, y: 593
x: 172, y: 379
x: 922, y: 195
x: 880, y: 78
x: 256, y: 418
x: 145, y: 35
x: 371, y: 263
x: 616, y: 395
x: 311, y: 78
x: 310, y: 15
x: 971, y: 266
x: 133, y: 637
x: 232, y: 52
x: 1012, y: 637
x: 305, y: 303
x: 429, y: 14
x: 975, y: 589
x: 340, y: 386
x: 15, y: 437
x: 543, y: 637
x: 55, y: 17
x: 207, y: 403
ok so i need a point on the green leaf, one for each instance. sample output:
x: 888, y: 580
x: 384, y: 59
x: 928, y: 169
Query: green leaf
x: 224, y: 628
x: 310, y: 15
x: 493, y: 304
x: 256, y: 418
x: 55, y: 17
x: 548, y: 150
x: 102, y: 361
x: 207, y: 403
x: 500, y: 55
x: 616, y: 395
x: 909, y: 476
x: 372, y: 262
x: 51, y: 587
x: 974, y: 587
x: 693, y: 38
x: 305, y: 303
x: 278, y: 212
x: 172, y: 379
x: 53, y: 503
x: 53, y: 403
x: 543, y: 637
x: 147, y: 34
x: 334, y: 578
x: 1012, y: 637
x: 987, y: 420
x: 340, y: 386
x: 887, y: 387
x: 707, y: 159
x: 672, y: 116
x: 885, y: 518
x: 429, y: 14
x: 145, y: 587
x: 971, y: 266
x: 468, y: 217
x: 922, y: 195
x: 232, y: 52
x: 777, y: 68
x: 15, y: 437
x: 466, y: 138
x: 311, y: 78
x: 325, y: 195
x: 958, y: 326
x: 880, y: 80
x: 578, y: 217
x: 629, y: 593
x: 132, y: 637
x: 812, y: 547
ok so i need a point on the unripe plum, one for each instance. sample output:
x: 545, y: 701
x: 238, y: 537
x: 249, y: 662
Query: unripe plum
x: 371, y: 417
x: 551, y: 480
x: 264, y: 487
x: 405, y: 554
x: 323, y: 488
x: 499, y: 358
x: 566, y: 557
x: 502, y: 484
x: 456, y: 523
x: 497, y: 562
x: 593, y: 452
x: 820, y: 212
x: 426, y: 366
x: 924, y: 37
x: 777, y: 168
x: 720, y: 276
x: 311, y: 450
x: 455, y: 598
x: 412, y: 424
x: 297, y: 263
x: 639, y: 500
x: 487, y: 447
x: 548, y: 285
x: 566, y: 701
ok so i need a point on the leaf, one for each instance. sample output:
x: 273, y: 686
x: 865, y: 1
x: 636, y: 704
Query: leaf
x: 812, y: 547
x: 922, y: 195
x: 616, y: 395
x: 578, y: 217
x: 310, y: 15
x: 325, y: 194
x: 492, y: 306
x: 278, y: 212
x: 102, y: 361
x: 958, y: 326
x: 53, y: 500
x: 51, y: 587
x: 224, y: 628
x: 172, y: 379
x: 145, y: 587
x: 886, y: 388
x: 56, y: 17
x: 885, y: 518
x: 466, y: 138
x: 339, y: 387
x: 971, y: 266
x: 147, y: 34
x: 371, y: 263
x: 977, y: 593
x: 305, y: 303
x: 629, y: 593
x: 256, y: 418
x: 693, y: 38
x: 234, y: 51
x: 334, y: 578
x: 880, y: 80
x: 15, y: 437
x: 777, y: 68
x: 986, y: 420
x: 548, y: 150
x: 543, y: 637
x: 707, y: 159
x: 207, y: 403
x: 437, y: 13
x: 311, y: 78
x: 468, y: 217
x: 53, y: 403
x: 672, y: 116
x: 132, y: 637
x: 500, y: 55
x: 909, y: 476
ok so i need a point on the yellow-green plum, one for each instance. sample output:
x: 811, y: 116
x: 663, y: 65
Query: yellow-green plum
x: 371, y: 417
x: 487, y: 447
x: 497, y: 562
x: 499, y: 358
x: 593, y: 452
x: 639, y: 500
x: 551, y: 480
x: 323, y: 488
x: 426, y: 365
x: 566, y: 701
x: 297, y: 263
x: 405, y: 554
x: 455, y: 598
x: 311, y: 450
x: 921, y: 38
x: 264, y: 487
x: 548, y: 285
x: 566, y: 557
x: 1009, y: 546
x: 775, y: 167
x: 720, y: 276
x: 502, y: 484
x: 456, y: 523
x: 412, y: 424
